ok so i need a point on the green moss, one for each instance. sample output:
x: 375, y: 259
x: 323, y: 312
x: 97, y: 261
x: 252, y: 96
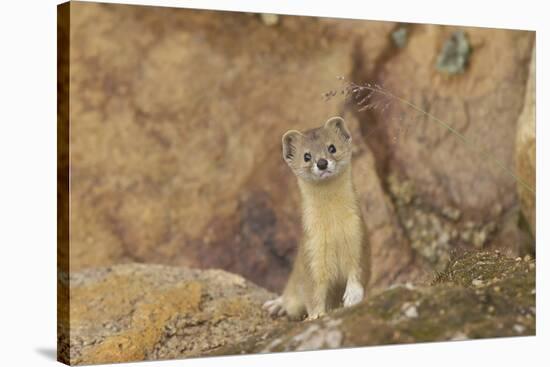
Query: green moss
x: 463, y: 269
x: 478, y: 295
x: 387, y: 305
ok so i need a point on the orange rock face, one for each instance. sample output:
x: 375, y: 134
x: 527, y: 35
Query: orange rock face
x: 136, y: 312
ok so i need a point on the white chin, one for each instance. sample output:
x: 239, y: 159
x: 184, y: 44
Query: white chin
x: 323, y: 175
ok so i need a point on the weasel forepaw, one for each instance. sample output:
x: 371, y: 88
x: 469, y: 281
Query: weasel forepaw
x: 275, y: 307
x: 353, y: 295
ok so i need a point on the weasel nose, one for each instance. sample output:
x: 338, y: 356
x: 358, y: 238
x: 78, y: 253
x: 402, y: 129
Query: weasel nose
x: 322, y: 164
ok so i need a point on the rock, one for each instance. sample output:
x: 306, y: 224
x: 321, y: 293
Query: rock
x: 410, y: 311
x: 393, y: 257
x: 459, y: 336
x: 399, y: 37
x: 269, y: 19
x: 526, y: 154
x: 409, y: 147
x: 148, y: 312
x: 153, y: 191
x: 451, y: 213
x: 468, y: 313
x: 176, y: 119
x: 455, y: 54
x: 477, y: 283
x: 142, y: 312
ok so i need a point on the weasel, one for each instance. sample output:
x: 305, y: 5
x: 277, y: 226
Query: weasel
x: 332, y: 266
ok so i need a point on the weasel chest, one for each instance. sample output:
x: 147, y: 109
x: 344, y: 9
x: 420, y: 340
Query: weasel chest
x: 334, y: 243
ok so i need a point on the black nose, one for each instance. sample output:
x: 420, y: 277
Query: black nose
x: 322, y: 164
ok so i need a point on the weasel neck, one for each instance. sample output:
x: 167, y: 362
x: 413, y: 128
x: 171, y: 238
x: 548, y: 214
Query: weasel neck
x: 338, y: 191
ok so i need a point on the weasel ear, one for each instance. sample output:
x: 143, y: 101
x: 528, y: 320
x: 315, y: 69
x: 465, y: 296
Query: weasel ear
x: 290, y: 141
x: 338, y: 125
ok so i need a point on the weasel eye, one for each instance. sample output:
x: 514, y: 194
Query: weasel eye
x: 331, y: 149
x: 307, y: 157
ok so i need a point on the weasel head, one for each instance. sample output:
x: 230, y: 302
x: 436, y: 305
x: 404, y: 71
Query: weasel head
x: 318, y: 154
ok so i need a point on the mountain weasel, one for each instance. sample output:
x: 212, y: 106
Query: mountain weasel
x: 332, y: 266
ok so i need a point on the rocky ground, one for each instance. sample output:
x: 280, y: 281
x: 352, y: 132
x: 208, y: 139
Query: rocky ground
x: 142, y: 312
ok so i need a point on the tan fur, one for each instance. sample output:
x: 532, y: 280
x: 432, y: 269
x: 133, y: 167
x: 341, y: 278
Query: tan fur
x: 332, y: 263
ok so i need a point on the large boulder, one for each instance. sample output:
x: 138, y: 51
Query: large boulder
x: 479, y: 295
x: 137, y: 312
x: 441, y: 123
x: 176, y: 119
x: 143, y: 312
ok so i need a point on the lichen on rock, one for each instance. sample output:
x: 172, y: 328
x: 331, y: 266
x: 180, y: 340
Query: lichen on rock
x: 455, y: 54
x: 448, y: 309
x: 143, y: 312
x: 399, y: 37
x: 147, y: 312
x: 434, y: 232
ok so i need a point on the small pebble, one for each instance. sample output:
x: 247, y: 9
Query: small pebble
x: 477, y: 283
x: 497, y: 210
x: 269, y: 19
x: 411, y: 312
x: 519, y: 328
x: 460, y: 336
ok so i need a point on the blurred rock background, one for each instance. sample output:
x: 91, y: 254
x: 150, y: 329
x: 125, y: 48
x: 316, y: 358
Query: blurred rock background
x: 176, y: 117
